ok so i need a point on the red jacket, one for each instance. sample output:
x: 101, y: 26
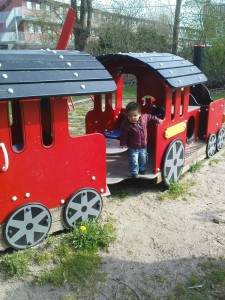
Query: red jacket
x: 134, y: 135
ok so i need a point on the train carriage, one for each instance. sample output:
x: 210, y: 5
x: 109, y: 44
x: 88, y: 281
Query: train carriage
x: 43, y: 168
x: 171, y: 88
x: 50, y: 180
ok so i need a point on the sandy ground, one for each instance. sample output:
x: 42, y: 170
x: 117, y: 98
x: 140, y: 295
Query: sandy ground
x: 159, y: 243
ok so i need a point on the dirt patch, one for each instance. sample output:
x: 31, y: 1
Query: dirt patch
x: 159, y: 243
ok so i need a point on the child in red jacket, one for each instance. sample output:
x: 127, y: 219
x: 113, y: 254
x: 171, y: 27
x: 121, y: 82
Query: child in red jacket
x: 134, y: 136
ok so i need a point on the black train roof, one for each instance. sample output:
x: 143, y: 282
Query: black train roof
x: 45, y: 73
x: 174, y: 70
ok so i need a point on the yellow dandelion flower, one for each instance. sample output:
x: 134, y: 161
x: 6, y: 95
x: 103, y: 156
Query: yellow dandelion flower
x: 83, y: 228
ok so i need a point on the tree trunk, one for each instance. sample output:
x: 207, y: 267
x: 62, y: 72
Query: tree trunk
x: 176, y: 27
x: 82, y: 29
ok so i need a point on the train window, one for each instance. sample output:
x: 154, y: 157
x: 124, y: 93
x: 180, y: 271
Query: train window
x: 129, y: 88
x: 182, y: 102
x: 77, y: 111
x: 173, y: 105
x: 46, y: 122
x: 16, y: 125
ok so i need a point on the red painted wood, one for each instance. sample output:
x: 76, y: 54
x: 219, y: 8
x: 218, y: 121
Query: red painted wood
x: 67, y: 29
x: 53, y: 173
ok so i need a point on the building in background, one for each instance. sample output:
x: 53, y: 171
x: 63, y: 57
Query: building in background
x: 32, y: 24
x: 36, y: 24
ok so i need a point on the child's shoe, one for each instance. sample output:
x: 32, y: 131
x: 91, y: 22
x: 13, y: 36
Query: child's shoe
x: 134, y: 175
x: 142, y: 172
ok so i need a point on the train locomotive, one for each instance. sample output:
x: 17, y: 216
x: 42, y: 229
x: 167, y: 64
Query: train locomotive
x: 50, y: 180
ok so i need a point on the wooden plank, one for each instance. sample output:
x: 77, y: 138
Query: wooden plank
x: 170, y: 64
x: 36, y: 90
x: 118, y: 169
x: 15, y: 55
x: 187, y: 80
x: 50, y: 65
x: 175, y: 72
x: 31, y: 76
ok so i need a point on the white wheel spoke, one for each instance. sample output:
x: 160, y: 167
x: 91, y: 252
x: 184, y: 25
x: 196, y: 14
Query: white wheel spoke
x: 170, y: 174
x: 170, y: 163
x: 76, y: 206
x: 93, y: 201
x: 84, y: 216
x: 30, y: 236
x: 93, y: 212
x: 179, y: 152
x: 27, y: 215
x: 180, y: 162
x: 17, y: 236
x: 40, y: 228
x: 17, y: 224
x: 84, y: 199
x: 76, y: 216
x: 39, y: 217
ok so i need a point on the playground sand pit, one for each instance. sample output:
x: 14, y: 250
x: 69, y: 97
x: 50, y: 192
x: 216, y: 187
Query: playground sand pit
x: 160, y: 243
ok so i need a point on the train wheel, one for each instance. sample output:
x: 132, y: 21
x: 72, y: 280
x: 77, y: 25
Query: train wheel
x: 220, y: 139
x: 211, y: 145
x: 27, y: 226
x: 173, y: 162
x: 84, y: 204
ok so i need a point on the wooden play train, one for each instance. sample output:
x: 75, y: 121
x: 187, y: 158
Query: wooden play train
x: 50, y: 180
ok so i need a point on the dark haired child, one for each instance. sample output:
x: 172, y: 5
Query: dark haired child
x: 134, y: 136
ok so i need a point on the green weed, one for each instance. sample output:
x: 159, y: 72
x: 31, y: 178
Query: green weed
x: 174, y: 191
x: 121, y: 195
x: 195, y: 167
x: 177, y: 189
x: 214, y: 161
x: 16, y: 264
x: 80, y: 269
x: 198, y: 286
x: 71, y: 258
x: 42, y: 257
x: 92, y: 236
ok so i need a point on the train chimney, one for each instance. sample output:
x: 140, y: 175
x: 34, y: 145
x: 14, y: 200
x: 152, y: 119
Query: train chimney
x: 199, y: 56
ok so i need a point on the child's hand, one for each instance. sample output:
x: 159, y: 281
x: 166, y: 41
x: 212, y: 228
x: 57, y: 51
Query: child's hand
x: 160, y: 121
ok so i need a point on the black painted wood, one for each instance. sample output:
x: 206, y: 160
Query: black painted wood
x: 174, y: 70
x: 32, y: 73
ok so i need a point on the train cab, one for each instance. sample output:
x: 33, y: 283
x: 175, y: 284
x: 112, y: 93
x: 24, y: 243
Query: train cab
x: 171, y: 88
x: 47, y: 175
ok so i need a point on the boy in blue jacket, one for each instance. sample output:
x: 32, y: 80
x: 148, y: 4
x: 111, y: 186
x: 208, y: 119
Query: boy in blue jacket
x: 134, y: 136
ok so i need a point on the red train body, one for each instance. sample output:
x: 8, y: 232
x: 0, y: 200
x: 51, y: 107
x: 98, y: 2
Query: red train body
x: 50, y: 180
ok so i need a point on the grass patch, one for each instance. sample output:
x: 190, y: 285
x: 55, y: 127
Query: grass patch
x: 71, y: 258
x: 214, y: 161
x: 16, y: 264
x: 121, y: 195
x: 209, y: 285
x: 176, y: 190
x: 80, y: 269
x: 218, y: 95
x: 196, y: 167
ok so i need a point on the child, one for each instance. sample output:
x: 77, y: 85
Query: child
x: 134, y: 136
